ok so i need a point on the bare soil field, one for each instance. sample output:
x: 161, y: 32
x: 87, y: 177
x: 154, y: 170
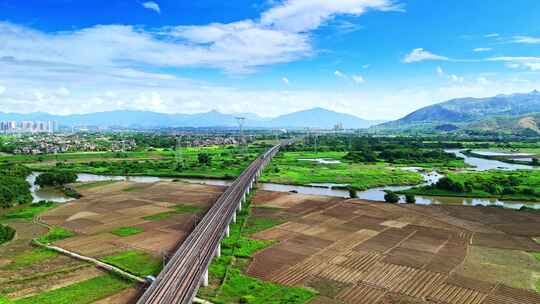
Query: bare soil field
x: 354, y: 251
x: 148, y: 207
x: 159, y: 215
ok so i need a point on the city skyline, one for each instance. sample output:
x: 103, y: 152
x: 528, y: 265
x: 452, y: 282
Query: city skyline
x: 377, y: 59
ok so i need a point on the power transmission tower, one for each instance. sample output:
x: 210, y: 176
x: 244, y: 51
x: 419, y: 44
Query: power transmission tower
x: 241, y: 139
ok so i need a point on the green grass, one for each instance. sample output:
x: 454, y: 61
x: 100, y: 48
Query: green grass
x: 136, y: 262
x: 178, y: 209
x: 30, y: 257
x: 256, y: 224
x: 287, y: 169
x: 240, y: 288
x: 127, y: 231
x: 97, y: 184
x: 84, y: 292
x: 158, y: 216
x: 55, y: 234
x: 29, y: 211
x: 187, y: 209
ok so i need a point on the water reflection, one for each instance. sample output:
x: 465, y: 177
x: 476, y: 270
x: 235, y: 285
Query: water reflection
x: 482, y: 164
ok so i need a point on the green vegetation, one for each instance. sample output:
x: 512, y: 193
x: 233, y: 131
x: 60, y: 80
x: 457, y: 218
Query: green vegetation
x: 14, y: 190
x: 55, y: 234
x: 127, y: 231
x: 56, y: 178
x: 29, y: 211
x: 256, y: 224
x: 135, y: 262
x: 224, y: 162
x: 97, y: 184
x: 410, y: 199
x: 84, y: 292
x: 30, y: 257
x: 509, y: 185
x: 227, y: 271
x: 287, y: 168
x: 391, y: 197
x: 178, y: 209
x: 6, y: 233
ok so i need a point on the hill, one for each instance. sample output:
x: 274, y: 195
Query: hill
x: 501, y: 113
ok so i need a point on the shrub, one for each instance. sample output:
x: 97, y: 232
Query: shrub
x: 6, y: 233
x: 391, y: 197
x: 410, y: 199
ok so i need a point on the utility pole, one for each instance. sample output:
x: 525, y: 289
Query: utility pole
x: 178, y: 152
x: 241, y: 121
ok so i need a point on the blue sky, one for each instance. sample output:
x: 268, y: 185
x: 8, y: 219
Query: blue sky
x: 378, y: 59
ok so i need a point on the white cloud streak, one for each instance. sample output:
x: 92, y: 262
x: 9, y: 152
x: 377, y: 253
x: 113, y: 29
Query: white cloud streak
x: 526, y: 40
x: 482, y: 49
x: 151, y: 5
x: 419, y: 54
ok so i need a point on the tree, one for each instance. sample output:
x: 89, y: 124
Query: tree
x: 204, y: 159
x: 535, y: 162
x: 410, y: 199
x: 55, y: 178
x: 352, y: 192
x: 391, y: 197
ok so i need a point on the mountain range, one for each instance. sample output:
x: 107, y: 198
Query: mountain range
x: 312, y: 118
x: 505, y: 113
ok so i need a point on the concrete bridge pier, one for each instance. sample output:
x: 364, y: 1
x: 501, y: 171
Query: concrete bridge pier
x: 204, y: 279
x: 218, y: 250
x: 227, y: 231
x: 234, y: 217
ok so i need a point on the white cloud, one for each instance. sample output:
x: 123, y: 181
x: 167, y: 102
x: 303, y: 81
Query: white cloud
x: 2, y: 90
x: 366, y: 66
x: 482, y: 81
x: 306, y: 15
x: 482, y: 49
x: 151, y: 5
x: 526, y: 39
x: 440, y: 71
x: 456, y: 78
x: 528, y: 63
x: 340, y: 74
x: 420, y: 54
x: 286, y: 81
x: 492, y: 35
x: 358, y: 79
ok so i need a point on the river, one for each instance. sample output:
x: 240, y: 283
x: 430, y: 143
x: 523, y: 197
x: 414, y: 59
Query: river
x: 336, y: 190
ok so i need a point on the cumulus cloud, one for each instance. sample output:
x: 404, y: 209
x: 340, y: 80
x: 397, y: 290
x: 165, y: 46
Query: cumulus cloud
x: 151, y: 5
x: 482, y: 49
x: 280, y: 35
x: 526, y: 39
x: 420, y: 54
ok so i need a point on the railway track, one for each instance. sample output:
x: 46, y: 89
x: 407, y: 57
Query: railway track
x: 180, y: 279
